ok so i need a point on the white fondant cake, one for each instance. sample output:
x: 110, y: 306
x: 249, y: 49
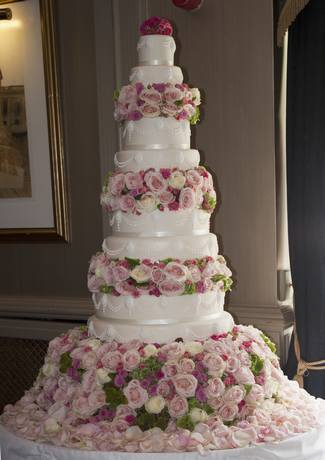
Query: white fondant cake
x: 156, y: 50
x: 156, y: 74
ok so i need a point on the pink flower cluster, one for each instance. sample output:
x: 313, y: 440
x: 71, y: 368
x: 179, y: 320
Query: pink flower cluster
x: 164, y: 189
x: 175, y: 397
x: 136, y: 101
x: 156, y: 26
x: 169, y: 277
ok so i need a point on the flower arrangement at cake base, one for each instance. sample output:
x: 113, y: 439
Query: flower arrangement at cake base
x: 224, y: 392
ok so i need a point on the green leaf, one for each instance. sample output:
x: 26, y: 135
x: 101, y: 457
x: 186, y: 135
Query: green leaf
x: 132, y: 262
x: 190, y: 288
x: 147, y: 421
x: 194, y: 403
x: 269, y: 342
x: 116, y: 94
x: 65, y: 362
x: 248, y: 387
x: 227, y: 282
x: 150, y: 366
x: 106, y: 289
x: 196, y: 117
x: 178, y: 103
x: 185, y: 422
x: 257, y: 364
x: 114, y: 396
x: 166, y: 261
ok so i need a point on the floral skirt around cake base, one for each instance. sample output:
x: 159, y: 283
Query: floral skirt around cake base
x: 225, y: 392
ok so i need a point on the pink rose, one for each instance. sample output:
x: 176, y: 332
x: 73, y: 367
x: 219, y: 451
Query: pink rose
x: 214, y: 363
x: 150, y: 111
x: 124, y: 288
x: 166, y: 197
x: 127, y: 203
x: 176, y: 271
x: 119, y: 424
x: 228, y: 411
x: 233, y: 364
x: 105, y: 348
x: 178, y: 406
x: 133, y: 180
x: 112, y: 360
x: 210, y: 269
x: 185, y: 384
x: 155, y: 181
x: 88, y: 382
x: 81, y: 407
x: 244, y: 376
x: 135, y: 394
x: 187, y: 365
x: 164, y: 388
x: 193, y: 178
x: 170, y: 287
x: 116, y: 183
x: 173, y: 350
x: 195, y: 273
x: 96, y: 399
x: 170, y: 368
x: 215, y: 388
x: 89, y: 360
x: 131, y: 360
x: 169, y: 109
x: 198, y: 197
x: 157, y: 275
x: 189, y: 109
x: 120, y: 112
x: 120, y: 273
x: 256, y: 395
x: 187, y: 198
x: 234, y: 394
x: 128, y: 95
x: 123, y: 410
x: 151, y: 96
x: 173, y: 94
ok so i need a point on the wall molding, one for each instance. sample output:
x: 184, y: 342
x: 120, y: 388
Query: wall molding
x: 61, y: 308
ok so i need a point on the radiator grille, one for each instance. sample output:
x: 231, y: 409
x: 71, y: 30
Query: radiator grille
x: 20, y: 361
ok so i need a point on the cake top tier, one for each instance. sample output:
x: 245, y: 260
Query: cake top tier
x: 156, y: 45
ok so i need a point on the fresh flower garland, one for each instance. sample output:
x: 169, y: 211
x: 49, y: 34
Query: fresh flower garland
x: 169, y: 277
x: 136, y: 101
x: 220, y: 393
x: 164, y: 189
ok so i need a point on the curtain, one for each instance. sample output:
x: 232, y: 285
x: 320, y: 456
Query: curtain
x: 306, y: 186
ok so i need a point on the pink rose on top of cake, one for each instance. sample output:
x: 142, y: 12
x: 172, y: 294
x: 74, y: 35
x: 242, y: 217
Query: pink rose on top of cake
x: 156, y: 25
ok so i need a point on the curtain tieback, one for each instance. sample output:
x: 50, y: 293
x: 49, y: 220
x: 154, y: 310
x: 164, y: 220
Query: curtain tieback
x: 303, y: 366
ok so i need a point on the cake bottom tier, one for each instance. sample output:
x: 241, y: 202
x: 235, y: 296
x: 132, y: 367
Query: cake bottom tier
x: 159, y: 330
x: 224, y: 392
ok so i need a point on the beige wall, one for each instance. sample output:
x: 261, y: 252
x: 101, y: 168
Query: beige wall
x: 226, y: 49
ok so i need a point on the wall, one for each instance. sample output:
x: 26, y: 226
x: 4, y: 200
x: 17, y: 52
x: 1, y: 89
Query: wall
x: 51, y: 279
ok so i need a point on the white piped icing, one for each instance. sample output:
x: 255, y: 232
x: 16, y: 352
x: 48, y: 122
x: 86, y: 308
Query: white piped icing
x: 159, y: 132
x: 156, y: 74
x: 137, y: 160
x: 187, y: 247
x: 156, y: 50
x: 157, y: 223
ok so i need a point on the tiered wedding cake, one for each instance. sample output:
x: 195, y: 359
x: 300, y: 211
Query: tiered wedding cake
x: 161, y: 366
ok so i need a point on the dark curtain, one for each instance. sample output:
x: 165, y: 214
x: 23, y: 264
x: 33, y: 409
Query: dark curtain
x: 306, y: 185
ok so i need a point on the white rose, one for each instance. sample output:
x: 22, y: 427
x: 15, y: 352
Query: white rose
x: 193, y: 347
x: 243, y: 437
x: 51, y: 426
x: 198, y: 415
x: 150, y: 350
x: 141, y: 273
x: 102, y: 376
x: 271, y: 387
x: 49, y: 369
x: 93, y: 344
x: 196, y: 95
x: 155, y: 405
x: 147, y: 202
x: 177, y: 180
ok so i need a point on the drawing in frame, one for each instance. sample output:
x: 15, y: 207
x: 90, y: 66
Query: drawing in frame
x: 33, y: 193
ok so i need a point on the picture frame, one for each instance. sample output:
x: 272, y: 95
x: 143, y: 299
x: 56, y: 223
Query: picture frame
x: 36, y: 212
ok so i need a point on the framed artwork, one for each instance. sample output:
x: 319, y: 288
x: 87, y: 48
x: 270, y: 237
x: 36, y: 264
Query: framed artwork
x: 33, y: 194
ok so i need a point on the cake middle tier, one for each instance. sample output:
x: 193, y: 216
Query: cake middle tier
x: 178, y: 247
x: 158, y: 132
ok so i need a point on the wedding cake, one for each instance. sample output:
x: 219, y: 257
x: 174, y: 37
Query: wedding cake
x: 161, y: 366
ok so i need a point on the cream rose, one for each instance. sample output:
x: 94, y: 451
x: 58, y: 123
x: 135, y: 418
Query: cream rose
x: 141, y: 273
x: 49, y: 369
x: 196, y: 95
x: 51, y: 426
x: 198, y: 415
x: 193, y: 347
x: 155, y: 404
x: 102, y: 376
x: 150, y: 350
x: 177, y: 180
x: 147, y: 202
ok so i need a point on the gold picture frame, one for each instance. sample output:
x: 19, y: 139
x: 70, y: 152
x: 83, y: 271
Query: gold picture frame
x: 60, y: 230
